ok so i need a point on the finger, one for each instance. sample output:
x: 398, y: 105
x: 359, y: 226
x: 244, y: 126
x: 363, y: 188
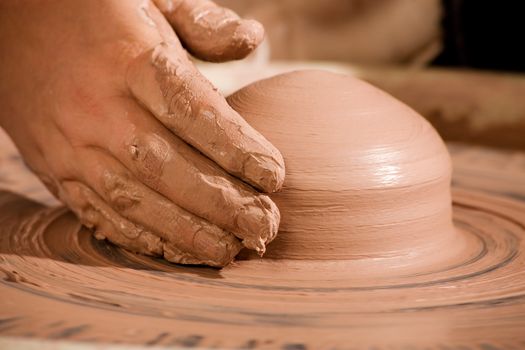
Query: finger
x: 188, y: 238
x: 211, y: 32
x: 90, y: 210
x: 169, y: 166
x: 171, y: 88
x: 95, y: 214
x: 174, y: 254
x: 82, y: 201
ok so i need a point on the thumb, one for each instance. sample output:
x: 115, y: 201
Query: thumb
x: 211, y: 32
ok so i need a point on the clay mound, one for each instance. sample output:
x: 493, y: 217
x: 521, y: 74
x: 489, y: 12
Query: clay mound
x: 366, y: 176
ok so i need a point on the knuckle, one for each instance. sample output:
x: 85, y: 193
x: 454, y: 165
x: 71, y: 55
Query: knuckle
x: 168, y: 6
x: 120, y: 191
x: 179, y: 98
x: 149, y: 154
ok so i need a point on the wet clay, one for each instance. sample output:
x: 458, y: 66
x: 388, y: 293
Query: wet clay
x: 199, y: 115
x: 59, y: 283
x: 366, y: 175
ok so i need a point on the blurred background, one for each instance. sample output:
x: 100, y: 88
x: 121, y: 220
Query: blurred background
x: 460, y: 63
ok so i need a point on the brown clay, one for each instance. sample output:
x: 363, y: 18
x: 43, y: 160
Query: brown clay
x: 60, y: 283
x: 366, y: 175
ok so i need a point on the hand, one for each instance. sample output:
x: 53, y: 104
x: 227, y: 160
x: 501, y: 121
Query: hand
x: 107, y: 109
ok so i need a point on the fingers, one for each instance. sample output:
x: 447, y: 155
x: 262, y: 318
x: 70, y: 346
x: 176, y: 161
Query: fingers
x: 95, y: 214
x: 191, y: 181
x: 92, y: 211
x: 171, y: 88
x: 211, y: 32
x: 186, y: 238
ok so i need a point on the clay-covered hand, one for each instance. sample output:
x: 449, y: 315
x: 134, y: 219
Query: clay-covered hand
x: 105, y: 106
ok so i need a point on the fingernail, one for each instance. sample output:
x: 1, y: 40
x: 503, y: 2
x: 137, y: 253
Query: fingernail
x: 152, y: 243
x: 214, y: 244
x: 259, y: 223
x: 247, y: 35
x: 265, y: 173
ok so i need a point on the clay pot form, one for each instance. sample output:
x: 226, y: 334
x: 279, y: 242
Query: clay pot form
x: 366, y: 176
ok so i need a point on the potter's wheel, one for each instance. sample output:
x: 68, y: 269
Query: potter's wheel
x: 65, y: 285
x: 60, y: 291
